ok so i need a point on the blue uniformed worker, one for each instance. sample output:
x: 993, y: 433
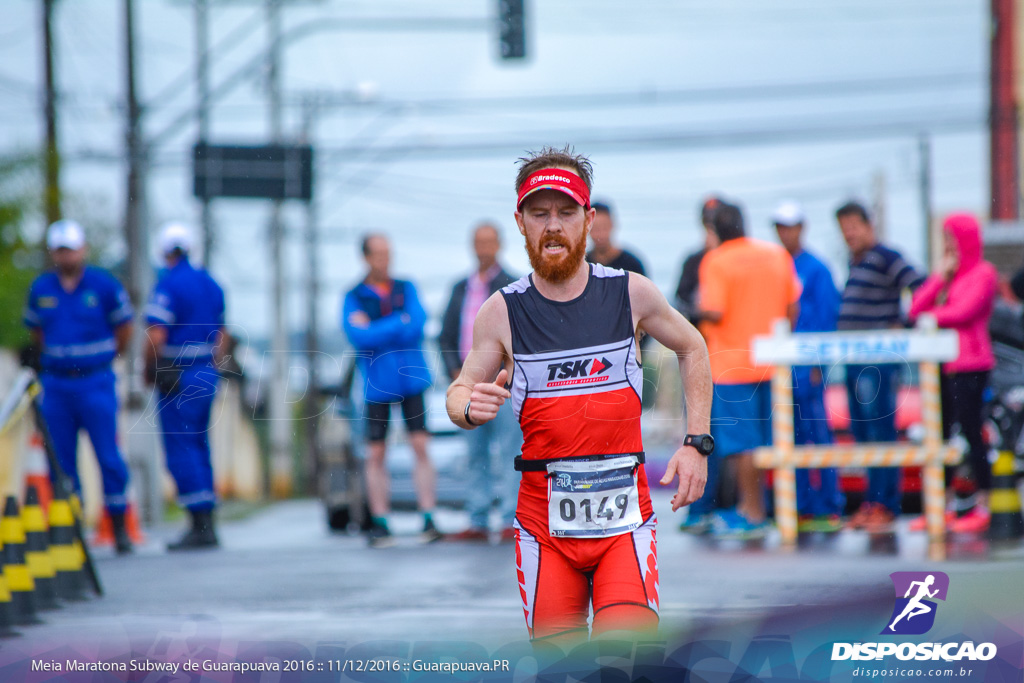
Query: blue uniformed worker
x: 80, y: 318
x: 185, y: 318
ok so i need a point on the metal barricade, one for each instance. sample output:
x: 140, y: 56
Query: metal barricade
x: 925, y: 345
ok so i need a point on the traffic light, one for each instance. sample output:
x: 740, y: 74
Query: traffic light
x: 512, y: 29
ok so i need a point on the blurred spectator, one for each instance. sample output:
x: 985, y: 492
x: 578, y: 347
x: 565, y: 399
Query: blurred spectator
x: 604, y: 250
x: 499, y: 440
x: 80, y: 318
x: 745, y: 286
x: 819, y: 501
x: 686, y: 290
x: 698, y: 515
x: 185, y: 318
x: 384, y: 321
x: 1017, y: 284
x: 871, y: 301
x: 961, y: 296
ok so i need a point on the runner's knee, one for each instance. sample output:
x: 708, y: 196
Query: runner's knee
x: 624, y: 619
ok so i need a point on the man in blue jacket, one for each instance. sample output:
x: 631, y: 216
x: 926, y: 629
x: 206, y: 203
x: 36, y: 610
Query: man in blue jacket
x: 80, y: 318
x: 819, y: 501
x: 185, y: 315
x: 384, y: 321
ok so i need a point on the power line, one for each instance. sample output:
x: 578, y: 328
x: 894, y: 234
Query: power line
x: 796, y: 131
x: 785, y: 131
x: 653, y: 97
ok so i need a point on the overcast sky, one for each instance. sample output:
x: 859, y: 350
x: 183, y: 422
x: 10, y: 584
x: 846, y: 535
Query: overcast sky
x: 672, y: 100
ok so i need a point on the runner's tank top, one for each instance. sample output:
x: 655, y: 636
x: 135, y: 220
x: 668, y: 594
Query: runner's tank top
x: 576, y: 383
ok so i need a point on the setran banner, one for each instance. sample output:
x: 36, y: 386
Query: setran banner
x: 868, y: 347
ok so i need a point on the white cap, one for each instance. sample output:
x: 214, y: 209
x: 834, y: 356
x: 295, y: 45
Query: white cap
x: 175, y: 236
x: 65, y: 234
x: 788, y: 213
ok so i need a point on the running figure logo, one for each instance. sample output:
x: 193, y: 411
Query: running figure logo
x: 914, y: 611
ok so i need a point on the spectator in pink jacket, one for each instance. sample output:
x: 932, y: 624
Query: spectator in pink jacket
x: 961, y: 296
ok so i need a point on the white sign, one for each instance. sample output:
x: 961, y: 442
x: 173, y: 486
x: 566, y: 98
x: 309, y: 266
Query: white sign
x: 874, y: 346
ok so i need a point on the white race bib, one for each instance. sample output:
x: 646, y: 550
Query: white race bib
x: 593, y: 499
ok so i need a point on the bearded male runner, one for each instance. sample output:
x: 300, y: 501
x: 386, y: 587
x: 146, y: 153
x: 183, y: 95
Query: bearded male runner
x: 561, y: 343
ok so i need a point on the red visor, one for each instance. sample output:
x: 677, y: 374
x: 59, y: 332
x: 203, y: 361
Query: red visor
x: 555, y: 179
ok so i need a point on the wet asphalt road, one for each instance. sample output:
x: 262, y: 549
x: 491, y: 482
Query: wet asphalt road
x: 281, y: 576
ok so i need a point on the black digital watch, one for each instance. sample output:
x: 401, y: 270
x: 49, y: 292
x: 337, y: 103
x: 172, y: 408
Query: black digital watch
x: 704, y: 443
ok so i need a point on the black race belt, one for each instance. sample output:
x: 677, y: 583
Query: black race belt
x: 541, y: 464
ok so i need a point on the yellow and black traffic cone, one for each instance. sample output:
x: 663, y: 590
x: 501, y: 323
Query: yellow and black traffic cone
x: 1004, y: 501
x: 19, y: 580
x: 6, y: 609
x: 67, y: 562
x: 37, y: 550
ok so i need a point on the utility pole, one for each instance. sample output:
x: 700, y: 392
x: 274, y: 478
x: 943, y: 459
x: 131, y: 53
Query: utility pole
x: 133, y: 194
x: 1003, y: 142
x: 925, y: 159
x: 280, y: 420
x: 202, y: 15
x: 312, y: 410
x: 51, y: 157
x: 878, y: 217
x: 134, y: 233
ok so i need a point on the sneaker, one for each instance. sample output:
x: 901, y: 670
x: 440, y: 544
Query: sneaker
x: 729, y: 524
x: 974, y: 522
x: 858, y: 518
x: 826, y: 524
x: 430, y: 533
x: 805, y: 524
x: 470, y: 535
x: 697, y: 525
x: 920, y: 523
x: 879, y: 520
x: 508, y: 535
x: 379, y: 537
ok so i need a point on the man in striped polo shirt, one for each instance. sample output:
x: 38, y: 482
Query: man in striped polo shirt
x: 871, y: 301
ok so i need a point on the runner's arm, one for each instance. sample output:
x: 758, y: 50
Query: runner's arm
x: 654, y: 315
x: 476, y: 383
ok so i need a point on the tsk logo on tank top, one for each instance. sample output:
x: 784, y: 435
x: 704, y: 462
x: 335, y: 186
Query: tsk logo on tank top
x: 577, y: 372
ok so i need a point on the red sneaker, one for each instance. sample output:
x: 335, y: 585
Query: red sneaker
x: 879, y: 520
x: 974, y: 522
x: 921, y: 523
x: 858, y: 518
x: 469, y: 536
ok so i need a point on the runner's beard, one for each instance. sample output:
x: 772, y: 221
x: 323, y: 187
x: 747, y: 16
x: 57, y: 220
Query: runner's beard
x: 557, y: 269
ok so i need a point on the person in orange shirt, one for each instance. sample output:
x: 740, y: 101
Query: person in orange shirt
x: 745, y: 286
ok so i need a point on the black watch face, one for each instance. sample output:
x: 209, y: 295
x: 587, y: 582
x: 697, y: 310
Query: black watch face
x: 707, y: 444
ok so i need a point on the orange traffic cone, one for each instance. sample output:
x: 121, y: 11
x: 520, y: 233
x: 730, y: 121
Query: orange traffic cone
x: 37, y: 471
x: 105, y: 529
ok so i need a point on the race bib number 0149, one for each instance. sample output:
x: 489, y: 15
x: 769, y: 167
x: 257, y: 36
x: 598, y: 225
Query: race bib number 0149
x: 593, y: 499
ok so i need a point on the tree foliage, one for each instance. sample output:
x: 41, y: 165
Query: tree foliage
x: 20, y: 260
